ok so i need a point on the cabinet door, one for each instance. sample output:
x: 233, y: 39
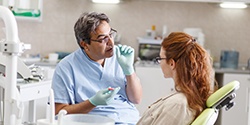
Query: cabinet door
x: 154, y: 86
x: 238, y: 114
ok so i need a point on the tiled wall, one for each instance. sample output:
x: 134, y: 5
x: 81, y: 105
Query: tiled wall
x: 223, y: 28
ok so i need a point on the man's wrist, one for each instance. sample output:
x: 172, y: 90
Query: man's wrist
x: 128, y: 71
x: 92, y: 102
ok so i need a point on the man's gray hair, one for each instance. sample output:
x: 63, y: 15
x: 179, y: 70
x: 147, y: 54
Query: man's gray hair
x: 87, y: 23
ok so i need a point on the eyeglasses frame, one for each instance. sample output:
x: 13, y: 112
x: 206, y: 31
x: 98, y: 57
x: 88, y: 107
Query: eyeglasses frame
x: 158, y: 60
x: 111, y: 35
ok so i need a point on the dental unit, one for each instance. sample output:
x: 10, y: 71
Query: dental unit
x: 12, y: 69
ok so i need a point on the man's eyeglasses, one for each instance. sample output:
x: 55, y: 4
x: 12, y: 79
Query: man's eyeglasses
x: 112, y: 35
x: 158, y: 59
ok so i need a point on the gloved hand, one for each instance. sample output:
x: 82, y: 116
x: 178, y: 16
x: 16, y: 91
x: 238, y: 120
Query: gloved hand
x: 103, y: 97
x: 125, y: 57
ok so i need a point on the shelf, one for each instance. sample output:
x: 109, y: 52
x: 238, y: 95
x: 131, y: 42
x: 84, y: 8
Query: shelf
x: 29, y: 18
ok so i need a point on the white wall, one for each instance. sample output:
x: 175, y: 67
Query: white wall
x: 223, y: 28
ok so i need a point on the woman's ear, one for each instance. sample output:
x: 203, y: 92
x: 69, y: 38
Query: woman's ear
x: 172, y: 64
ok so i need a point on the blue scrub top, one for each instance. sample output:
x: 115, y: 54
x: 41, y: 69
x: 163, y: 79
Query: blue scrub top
x: 77, y: 78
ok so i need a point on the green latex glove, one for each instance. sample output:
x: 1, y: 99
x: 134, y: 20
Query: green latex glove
x: 103, y: 97
x: 125, y: 57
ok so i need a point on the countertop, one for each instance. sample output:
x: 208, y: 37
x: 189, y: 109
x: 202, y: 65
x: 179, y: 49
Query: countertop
x: 42, y: 63
x: 39, y: 62
x: 240, y: 70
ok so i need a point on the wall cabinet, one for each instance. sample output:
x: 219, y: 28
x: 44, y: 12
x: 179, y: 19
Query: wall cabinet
x: 239, y: 113
x: 25, y: 9
x: 154, y: 85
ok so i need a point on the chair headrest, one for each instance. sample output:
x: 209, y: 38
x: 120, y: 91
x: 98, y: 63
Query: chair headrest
x: 218, y: 95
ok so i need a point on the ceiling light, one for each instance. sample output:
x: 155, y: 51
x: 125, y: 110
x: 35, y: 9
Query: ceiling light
x: 106, y: 1
x: 235, y: 5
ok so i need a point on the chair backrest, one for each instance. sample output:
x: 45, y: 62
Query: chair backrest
x: 222, y: 97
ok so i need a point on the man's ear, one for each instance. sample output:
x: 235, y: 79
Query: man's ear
x: 84, y: 45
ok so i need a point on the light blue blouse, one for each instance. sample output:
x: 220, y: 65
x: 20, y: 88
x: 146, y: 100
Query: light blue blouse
x: 77, y: 78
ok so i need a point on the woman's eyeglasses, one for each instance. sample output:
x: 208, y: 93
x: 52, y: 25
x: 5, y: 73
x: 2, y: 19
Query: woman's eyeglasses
x: 112, y: 35
x: 158, y: 60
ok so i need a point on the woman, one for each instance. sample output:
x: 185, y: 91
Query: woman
x: 190, y: 66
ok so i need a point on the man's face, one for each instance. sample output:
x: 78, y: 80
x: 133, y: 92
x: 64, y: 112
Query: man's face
x: 101, y: 43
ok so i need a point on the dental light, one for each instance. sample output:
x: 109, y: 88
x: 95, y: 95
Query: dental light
x: 106, y: 1
x: 233, y: 5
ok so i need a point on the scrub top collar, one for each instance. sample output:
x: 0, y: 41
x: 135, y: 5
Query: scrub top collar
x: 86, y: 55
x: 103, y: 68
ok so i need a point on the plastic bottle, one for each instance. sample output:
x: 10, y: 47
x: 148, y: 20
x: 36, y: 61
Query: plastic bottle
x: 164, y: 31
x: 153, y: 33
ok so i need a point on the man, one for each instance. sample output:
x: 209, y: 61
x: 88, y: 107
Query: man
x: 81, y: 79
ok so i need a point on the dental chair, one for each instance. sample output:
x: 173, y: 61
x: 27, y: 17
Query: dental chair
x: 223, y: 97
